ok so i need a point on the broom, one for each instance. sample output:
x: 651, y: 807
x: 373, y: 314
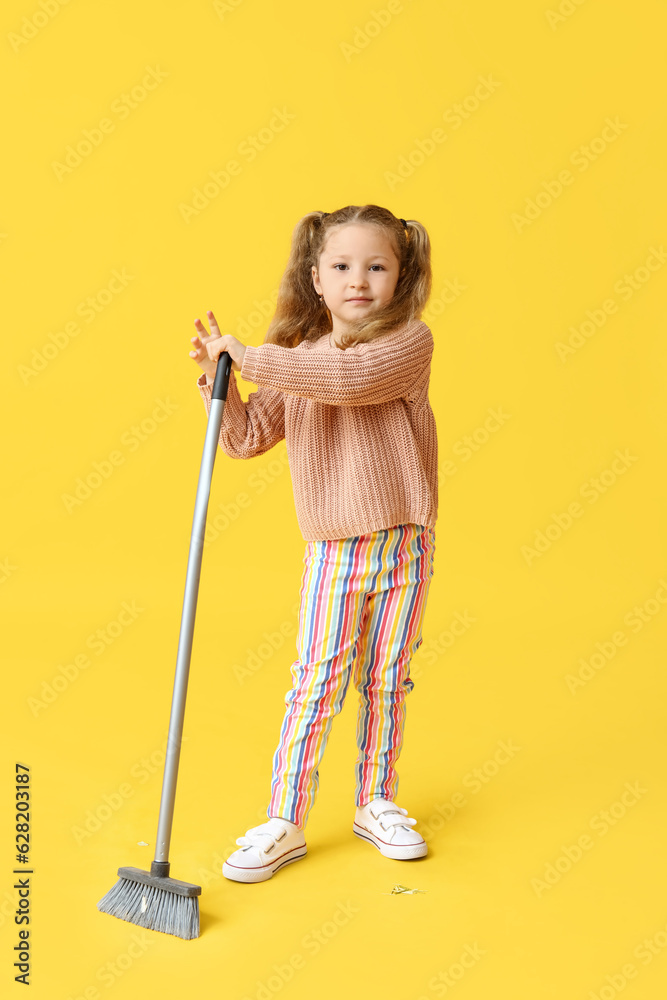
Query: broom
x: 153, y: 899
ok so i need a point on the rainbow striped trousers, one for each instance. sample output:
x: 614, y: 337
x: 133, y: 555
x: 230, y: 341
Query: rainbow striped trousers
x: 362, y: 606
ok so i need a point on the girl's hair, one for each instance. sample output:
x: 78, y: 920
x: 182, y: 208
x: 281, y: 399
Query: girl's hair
x: 299, y: 313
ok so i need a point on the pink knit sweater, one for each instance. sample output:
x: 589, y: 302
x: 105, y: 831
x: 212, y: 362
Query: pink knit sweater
x: 359, y: 429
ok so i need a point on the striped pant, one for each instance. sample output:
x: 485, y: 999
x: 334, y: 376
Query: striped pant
x: 362, y: 606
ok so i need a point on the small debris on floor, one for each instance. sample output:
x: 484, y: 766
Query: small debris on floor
x: 402, y: 888
x: 142, y: 843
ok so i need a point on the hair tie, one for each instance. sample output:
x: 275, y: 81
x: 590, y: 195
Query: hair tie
x: 324, y: 214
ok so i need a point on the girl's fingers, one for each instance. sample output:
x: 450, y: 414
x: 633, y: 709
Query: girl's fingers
x: 201, y: 329
x: 214, y: 349
x: 213, y: 323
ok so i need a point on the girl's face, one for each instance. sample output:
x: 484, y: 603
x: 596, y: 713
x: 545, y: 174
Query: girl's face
x: 358, y: 271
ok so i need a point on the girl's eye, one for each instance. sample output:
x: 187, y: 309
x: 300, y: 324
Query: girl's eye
x: 345, y: 265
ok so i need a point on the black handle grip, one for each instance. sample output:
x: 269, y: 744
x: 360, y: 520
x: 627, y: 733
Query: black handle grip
x: 222, y: 373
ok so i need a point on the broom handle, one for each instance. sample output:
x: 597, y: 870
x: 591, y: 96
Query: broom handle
x: 218, y: 398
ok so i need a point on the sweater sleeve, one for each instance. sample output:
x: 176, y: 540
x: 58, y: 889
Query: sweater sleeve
x: 248, y: 428
x: 376, y: 372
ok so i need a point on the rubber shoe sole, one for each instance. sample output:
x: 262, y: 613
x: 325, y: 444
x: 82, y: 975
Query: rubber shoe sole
x: 263, y: 872
x: 398, y: 852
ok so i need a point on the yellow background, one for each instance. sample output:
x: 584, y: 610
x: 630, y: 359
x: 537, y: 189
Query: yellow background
x: 365, y: 85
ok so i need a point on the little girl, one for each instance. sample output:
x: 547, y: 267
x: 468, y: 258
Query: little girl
x: 343, y: 377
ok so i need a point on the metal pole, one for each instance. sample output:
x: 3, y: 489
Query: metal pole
x: 218, y: 397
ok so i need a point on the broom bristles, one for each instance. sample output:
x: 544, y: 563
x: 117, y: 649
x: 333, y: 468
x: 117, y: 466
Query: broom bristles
x: 152, y: 907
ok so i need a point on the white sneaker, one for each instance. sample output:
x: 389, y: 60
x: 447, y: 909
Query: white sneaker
x: 389, y: 827
x: 265, y: 849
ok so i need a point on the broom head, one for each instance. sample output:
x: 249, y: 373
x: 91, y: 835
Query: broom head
x: 153, y: 900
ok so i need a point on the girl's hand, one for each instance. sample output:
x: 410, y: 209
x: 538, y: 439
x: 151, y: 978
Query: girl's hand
x: 208, y: 348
